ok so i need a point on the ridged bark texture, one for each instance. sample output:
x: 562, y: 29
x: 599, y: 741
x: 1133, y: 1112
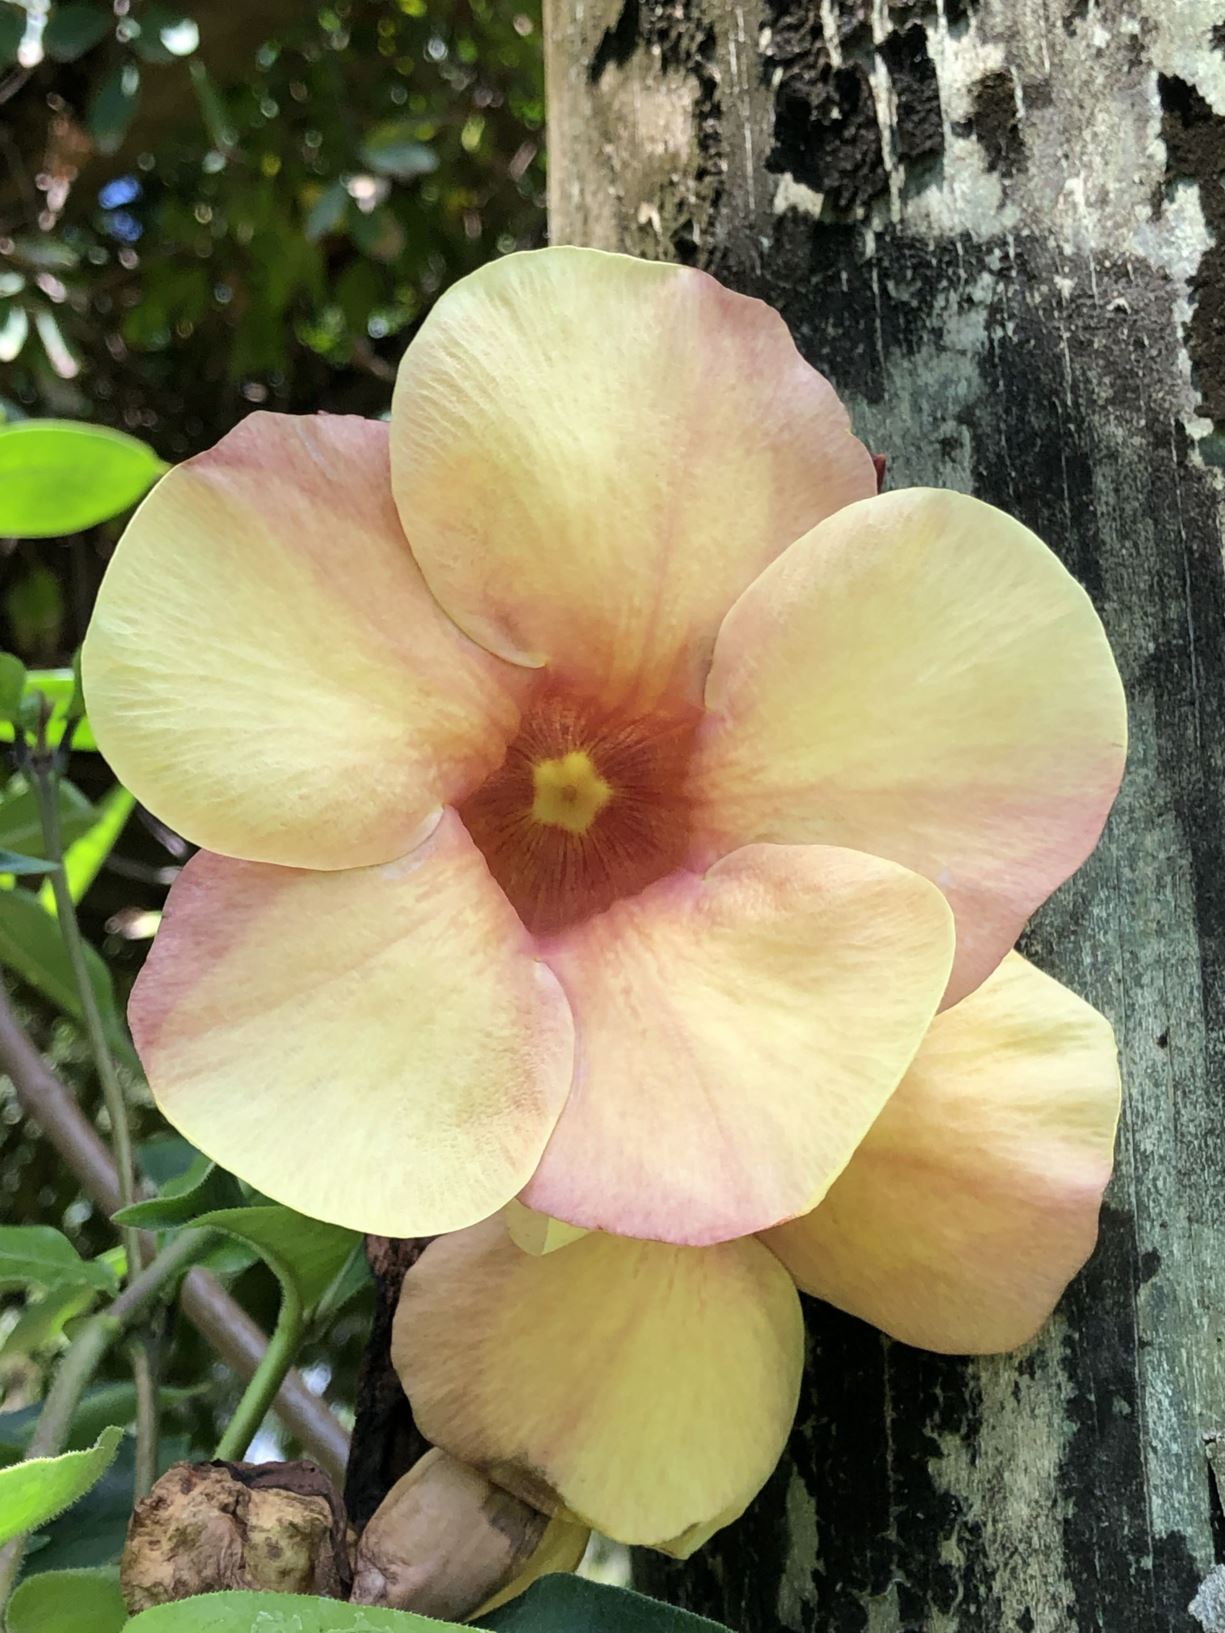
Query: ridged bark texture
x: 999, y: 226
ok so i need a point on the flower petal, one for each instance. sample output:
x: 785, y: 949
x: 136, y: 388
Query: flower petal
x: 737, y: 1036
x: 638, y: 1388
x: 920, y: 678
x: 559, y: 1552
x: 266, y: 669
x: 974, y: 1199
x: 533, y: 1232
x: 593, y: 456
x: 377, y: 1048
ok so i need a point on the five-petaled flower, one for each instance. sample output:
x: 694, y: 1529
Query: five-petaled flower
x: 601, y: 790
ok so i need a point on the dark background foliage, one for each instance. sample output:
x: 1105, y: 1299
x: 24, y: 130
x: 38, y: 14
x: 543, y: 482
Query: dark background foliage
x: 204, y: 210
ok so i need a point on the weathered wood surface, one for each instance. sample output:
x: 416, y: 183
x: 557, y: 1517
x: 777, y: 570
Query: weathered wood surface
x: 994, y: 224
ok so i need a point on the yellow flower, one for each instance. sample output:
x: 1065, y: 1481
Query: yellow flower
x: 597, y: 780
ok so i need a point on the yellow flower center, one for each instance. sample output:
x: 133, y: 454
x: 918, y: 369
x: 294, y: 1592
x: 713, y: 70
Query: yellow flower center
x: 568, y: 792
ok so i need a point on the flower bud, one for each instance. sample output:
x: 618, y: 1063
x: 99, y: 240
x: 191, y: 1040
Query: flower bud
x: 276, y: 1527
x: 443, y: 1541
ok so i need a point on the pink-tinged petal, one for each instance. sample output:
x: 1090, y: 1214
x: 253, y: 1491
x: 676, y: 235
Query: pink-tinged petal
x: 974, y: 1199
x: 635, y: 1387
x: 594, y: 455
x: 920, y: 678
x: 737, y: 1035
x: 266, y: 668
x: 378, y: 1048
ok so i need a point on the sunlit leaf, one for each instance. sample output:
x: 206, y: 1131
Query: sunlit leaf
x: 60, y: 476
x: 41, y: 1256
x: 41, y: 1323
x: 68, y: 1602
x: 58, y: 687
x: 85, y: 857
x: 36, y: 1490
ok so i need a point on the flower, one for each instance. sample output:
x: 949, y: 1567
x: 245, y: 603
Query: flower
x: 597, y: 780
x: 647, y: 1390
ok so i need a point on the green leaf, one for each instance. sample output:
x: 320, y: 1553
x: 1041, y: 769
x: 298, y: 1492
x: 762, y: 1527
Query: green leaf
x: 12, y: 30
x: 34, y: 607
x: 282, y: 1613
x: 391, y: 149
x: 21, y: 826
x: 36, y: 1490
x: 32, y: 947
x: 566, y: 1604
x: 12, y: 685
x: 217, y: 121
x: 41, y: 1256
x: 75, y: 27
x: 68, y: 1602
x: 93, y: 1532
x: 555, y: 1604
x: 61, y: 476
x: 84, y: 858
x: 58, y: 687
x: 12, y: 862
x: 304, y: 1253
x: 41, y: 1324
x: 107, y: 1404
x: 183, y: 1201
x: 113, y: 107
x: 327, y: 212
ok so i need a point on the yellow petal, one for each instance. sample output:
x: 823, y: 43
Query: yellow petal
x: 559, y: 1551
x: 737, y: 1035
x: 594, y: 455
x: 265, y: 667
x: 638, y: 1388
x: 534, y: 1232
x: 974, y: 1198
x: 920, y: 678
x: 377, y: 1048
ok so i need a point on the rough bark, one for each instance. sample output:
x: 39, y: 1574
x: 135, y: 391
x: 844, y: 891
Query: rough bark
x: 996, y: 224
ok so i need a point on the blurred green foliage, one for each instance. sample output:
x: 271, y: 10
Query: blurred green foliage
x: 210, y: 207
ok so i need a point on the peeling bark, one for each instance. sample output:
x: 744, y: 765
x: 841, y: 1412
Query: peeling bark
x: 997, y: 225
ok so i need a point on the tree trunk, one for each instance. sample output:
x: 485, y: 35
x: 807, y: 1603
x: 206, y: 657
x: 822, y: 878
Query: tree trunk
x: 994, y: 224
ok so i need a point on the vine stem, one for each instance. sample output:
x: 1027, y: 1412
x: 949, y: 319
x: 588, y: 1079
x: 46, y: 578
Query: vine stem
x: 46, y: 792
x: 45, y: 776
x: 72, y: 1377
x: 260, y: 1392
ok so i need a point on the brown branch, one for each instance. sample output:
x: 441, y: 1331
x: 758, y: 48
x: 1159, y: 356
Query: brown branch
x: 206, y: 1304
